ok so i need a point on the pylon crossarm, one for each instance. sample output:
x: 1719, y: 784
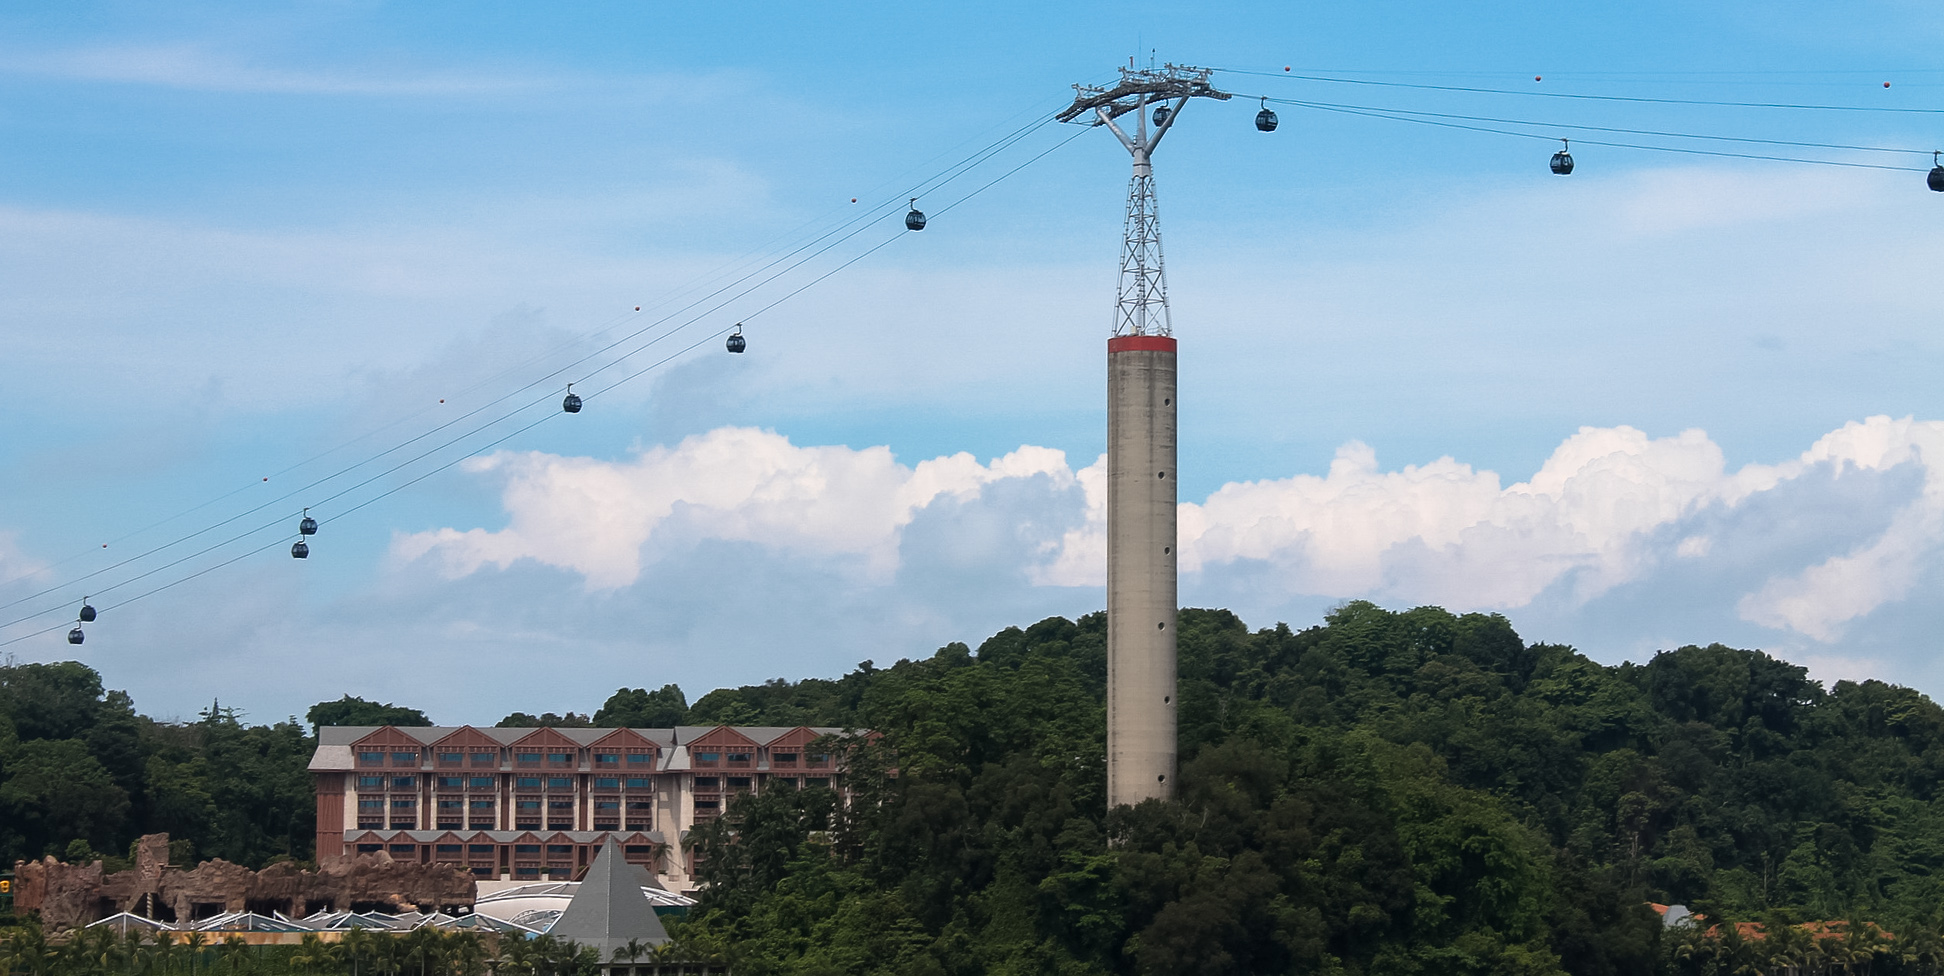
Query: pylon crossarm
x: 1140, y: 87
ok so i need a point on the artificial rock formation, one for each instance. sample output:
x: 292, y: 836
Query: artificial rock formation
x: 72, y: 895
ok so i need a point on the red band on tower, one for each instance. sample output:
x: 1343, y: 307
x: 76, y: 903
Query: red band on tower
x: 1140, y: 343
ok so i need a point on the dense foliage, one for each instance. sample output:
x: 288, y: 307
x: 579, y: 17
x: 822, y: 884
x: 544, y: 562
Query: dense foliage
x: 421, y: 952
x: 1389, y: 793
x: 82, y: 775
x: 1411, y: 792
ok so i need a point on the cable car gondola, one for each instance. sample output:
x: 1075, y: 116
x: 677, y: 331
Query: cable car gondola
x: 915, y: 220
x: 1265, y: 119
x: 298, y: 550
x: 308, y: 526
x: 573, y: 402
x: 1936, y: 178
x: 736, y: 342
x: 87, y: 612
x: 1562, y: 161
x: 75, y: 636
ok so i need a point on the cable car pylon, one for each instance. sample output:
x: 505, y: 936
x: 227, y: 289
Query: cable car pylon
x: 1141, y: 588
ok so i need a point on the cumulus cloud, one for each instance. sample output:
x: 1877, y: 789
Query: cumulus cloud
x: 740, y: 484
x: 1607, y: 508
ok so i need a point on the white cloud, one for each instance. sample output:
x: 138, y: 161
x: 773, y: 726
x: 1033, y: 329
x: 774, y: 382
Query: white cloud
x: 602, y: 519
x: 1608, y: 508
x: 196, y: 68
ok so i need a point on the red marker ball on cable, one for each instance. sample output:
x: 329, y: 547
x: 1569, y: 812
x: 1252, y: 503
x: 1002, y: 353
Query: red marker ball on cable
x: 637, y: 308
x: 853, y: 199
x: 1537, y: 78
x: 1285, y: 67
x: 1886, y: 84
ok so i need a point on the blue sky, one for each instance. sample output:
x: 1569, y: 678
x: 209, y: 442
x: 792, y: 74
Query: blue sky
x: 1630, y: 408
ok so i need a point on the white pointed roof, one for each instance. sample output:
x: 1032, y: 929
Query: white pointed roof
x: 610, y: 909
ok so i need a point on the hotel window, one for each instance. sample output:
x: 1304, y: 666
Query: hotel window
x: 480, y: 783
x: 817, y: 782
x: 371, y: 759
x: 641, y: 758
x: 707, y: 758
x: 740, y: 760
x: 706, y: 782
x: 527, y: 758
x: 370, y: 848
x: 819, y: 760
x: 639, y: 850
x: 560, y: 782
x: 640, y: 783
x: 526, y: 848
x: 371, y: 782
x: 641, y: 814
x: 560, y: 814
x: 607, y: 812
x: 405, y: 758
x: 485, y: 759
x: 528, y: 782
x: 706, y: 809
x: 739, y: 783
x: 376, y: 803
x: 451, y: 782
x: 783, y: 759
x: 404, y: 782
x: 526, y: 812
x: 560, y: 759
x: 606, y: 783
x: 477, y: 849
x: 371, y: 812
x: 560, y: 850
x: 527, y: 871
x: 450, y: 808
x: 404, y: 803
x: 449, y: 848
x: 607, y: 759
x: 451, y: 758
x: 525, y: 803
x: 404, y: 848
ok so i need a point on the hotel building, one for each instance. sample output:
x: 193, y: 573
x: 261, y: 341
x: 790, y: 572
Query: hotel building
x: 537, y: 803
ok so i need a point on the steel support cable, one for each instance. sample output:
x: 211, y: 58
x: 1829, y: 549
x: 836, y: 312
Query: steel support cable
x: 748, y: 316
x: 1380, y: 114
x: 1588, y: 128
x: 940, y: 179
x: 1596, y: 98
x: 510, y: 434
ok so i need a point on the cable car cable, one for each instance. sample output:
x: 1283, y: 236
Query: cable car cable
x: 1597, y: 98
x: 1596, y: 128
x: 942, y: 178
x: 953, y: 176
x: 1381, y: 114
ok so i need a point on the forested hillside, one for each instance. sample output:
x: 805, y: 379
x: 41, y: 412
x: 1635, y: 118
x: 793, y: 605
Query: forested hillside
x: 1413, y: 792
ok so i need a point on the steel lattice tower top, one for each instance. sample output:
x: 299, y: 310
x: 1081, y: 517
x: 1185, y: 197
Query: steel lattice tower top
x: 1141, y: 306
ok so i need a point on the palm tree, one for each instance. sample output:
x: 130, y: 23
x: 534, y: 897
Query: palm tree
x: 356, y: 945
x: 464, y: 953
x: 194, y: 943
x: 236, y: 952
x: 632, y: 950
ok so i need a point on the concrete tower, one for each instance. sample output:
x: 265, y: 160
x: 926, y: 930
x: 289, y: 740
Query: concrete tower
x: 1141, y: 449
